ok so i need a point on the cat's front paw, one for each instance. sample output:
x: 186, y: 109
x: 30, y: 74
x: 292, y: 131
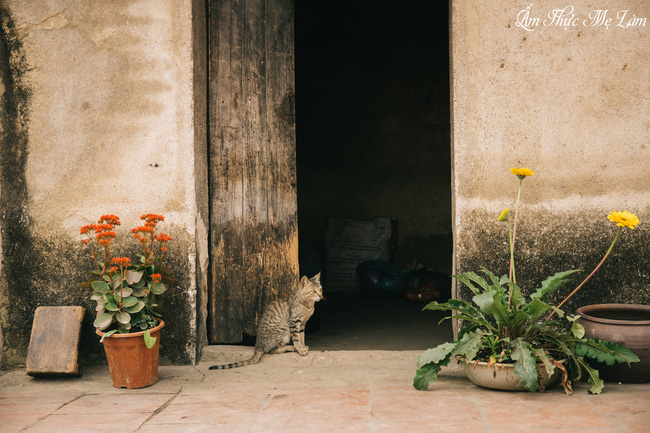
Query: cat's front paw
x: 303, y: 351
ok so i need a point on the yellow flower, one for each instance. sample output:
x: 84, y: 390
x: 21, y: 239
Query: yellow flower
x: 624, y: 219
x: 503, y: 216
x: 521, y: 173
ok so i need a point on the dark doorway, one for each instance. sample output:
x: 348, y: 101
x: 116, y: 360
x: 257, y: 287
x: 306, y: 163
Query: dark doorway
x: 372, y: 132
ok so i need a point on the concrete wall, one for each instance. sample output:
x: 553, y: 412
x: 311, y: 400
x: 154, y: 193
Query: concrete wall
x: 570, y: 102
x: 98, y: 116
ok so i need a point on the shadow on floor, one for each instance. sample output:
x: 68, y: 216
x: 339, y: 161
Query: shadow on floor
x: 356, y: 322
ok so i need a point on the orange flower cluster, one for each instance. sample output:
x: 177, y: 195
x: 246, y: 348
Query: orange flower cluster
x: 156, y: 278
x: 103, y: 230
x: 163, y: 237
x: 152, y: 218
x: 122, y: 262
x: 85, y: 229
x: 110, y: 219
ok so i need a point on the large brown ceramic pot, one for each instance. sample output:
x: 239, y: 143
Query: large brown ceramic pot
x: 131, y: 362
x: 626, y: 324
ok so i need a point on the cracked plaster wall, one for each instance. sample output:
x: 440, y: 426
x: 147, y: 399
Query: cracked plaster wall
x: 109, y: 127
x: 570, y: 102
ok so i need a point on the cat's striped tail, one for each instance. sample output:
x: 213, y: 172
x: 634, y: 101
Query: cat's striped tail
x: 254, y: 360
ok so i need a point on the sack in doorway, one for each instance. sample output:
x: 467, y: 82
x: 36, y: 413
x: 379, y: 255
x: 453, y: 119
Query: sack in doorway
x: 349, y: 242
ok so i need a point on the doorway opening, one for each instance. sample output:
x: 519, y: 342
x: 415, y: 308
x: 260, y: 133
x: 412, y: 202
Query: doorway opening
x: 373, y: 140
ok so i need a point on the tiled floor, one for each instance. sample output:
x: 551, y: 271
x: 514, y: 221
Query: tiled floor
x: 368, y: 392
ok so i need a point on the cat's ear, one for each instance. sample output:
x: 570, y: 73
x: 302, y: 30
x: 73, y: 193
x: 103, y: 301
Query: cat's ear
x: 304, y: 281
x: 316, y: 277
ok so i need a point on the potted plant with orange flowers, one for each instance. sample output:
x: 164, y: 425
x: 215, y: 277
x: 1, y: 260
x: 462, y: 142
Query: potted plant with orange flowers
x: 129, y: 298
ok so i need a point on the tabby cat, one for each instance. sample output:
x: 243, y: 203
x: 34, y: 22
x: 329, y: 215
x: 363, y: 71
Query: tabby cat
x: 284, y: 322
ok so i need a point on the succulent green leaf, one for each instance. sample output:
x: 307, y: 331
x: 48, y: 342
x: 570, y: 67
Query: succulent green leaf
x: 133, y: 277
x: 551, y: 284
x: 108, y: 334
x: 100, y: 306
x: 135, y: 308
x: 96, y: 297
x: 126, y: 292
x: 124, y: 328
x: 103, y: 321
x: 129, y: 302
x: 112, y: 306
x: 525, y: 364
x: 123, y: 317
x: 159, y: 288
x: 139, y: 292
x: 117, y: 283
x: 107, y: 278
x: 100, y: 286
x: 149, y: 341
x: 140, y: 284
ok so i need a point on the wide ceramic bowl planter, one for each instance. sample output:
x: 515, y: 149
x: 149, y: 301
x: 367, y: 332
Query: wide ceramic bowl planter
x: 626, y: 324
x: 131, y: 362
x: 503, y: 376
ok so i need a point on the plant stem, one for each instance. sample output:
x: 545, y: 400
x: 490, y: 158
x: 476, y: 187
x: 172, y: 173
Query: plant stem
x: 512, y: 256
x: 514, y: 237
x: 611, y: 247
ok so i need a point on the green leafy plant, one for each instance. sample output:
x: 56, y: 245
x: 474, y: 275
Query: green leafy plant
x: 128, y: 296
x: 502, y: 325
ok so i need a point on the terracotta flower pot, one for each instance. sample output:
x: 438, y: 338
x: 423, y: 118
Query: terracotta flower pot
x: 131, y: 363
x: 626, y: 324
x: 503, y: 376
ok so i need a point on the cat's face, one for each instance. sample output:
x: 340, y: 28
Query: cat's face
x: 311, y: 288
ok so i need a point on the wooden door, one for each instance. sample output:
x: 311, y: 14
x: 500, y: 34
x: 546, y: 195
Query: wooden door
x: 253, y: 222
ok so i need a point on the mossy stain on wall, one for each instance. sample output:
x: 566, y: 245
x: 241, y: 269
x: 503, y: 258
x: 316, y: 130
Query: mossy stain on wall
x: 16, y: 291
x: 550, y: 242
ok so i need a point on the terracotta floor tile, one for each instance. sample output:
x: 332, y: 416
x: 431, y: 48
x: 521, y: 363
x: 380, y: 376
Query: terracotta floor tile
x: 544, y: 414
x: 241, y: 426
x: 425, y: 426
x: 239, y: 400
x: 424, y: 405
x: 312, y: 422
x: 637, y: 423
x: 129, y: 403
x: 630, y: 403
x: 10, y: 428
x: 36, y: 397
x: 320, y: 400
x: 79, y: 423
x: 200, y: 413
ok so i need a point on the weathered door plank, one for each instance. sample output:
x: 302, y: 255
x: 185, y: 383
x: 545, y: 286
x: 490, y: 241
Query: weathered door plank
x: 252, y: 162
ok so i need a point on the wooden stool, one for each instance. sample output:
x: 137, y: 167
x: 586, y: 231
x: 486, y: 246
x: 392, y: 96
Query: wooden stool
x: 54, y: 344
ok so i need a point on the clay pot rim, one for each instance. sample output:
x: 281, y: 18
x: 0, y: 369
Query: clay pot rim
x: 586, y: 309
x: 497, y: 364
x: 160, y: 325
